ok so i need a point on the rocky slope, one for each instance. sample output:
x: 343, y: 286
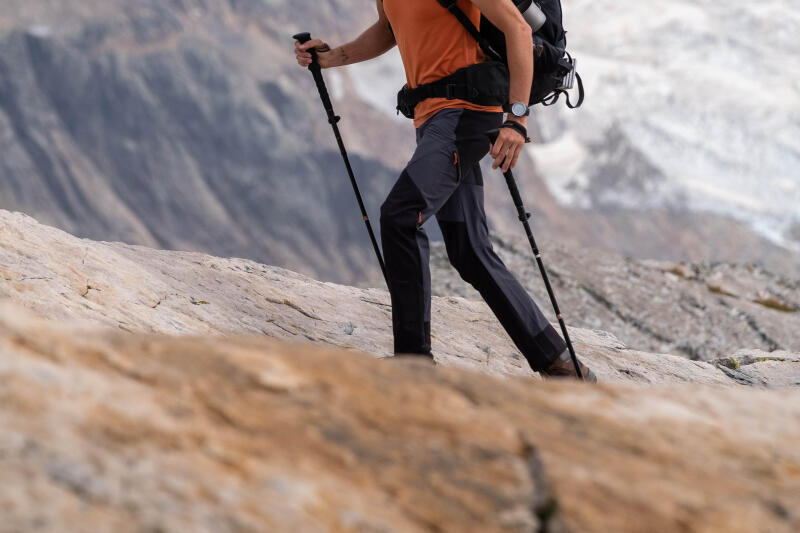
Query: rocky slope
x: 696, y: 310
x: 107, y: 424
x: 178, y: 125
x: 137, y: 289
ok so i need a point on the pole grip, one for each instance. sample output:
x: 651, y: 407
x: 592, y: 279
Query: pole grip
x: 303, y: 38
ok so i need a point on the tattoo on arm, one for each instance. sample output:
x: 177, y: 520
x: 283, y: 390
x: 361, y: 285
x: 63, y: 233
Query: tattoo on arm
x: 343, y: 54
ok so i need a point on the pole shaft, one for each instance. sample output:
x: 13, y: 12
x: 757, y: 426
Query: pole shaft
x: 524, y: 216
x: 360, y: 200
x: 333, y: 120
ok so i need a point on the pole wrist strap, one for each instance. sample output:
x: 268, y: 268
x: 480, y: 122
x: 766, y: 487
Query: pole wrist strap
x: 522, y: 130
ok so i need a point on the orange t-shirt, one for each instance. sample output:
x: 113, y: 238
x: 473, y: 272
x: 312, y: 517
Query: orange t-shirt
x: 434, y: 44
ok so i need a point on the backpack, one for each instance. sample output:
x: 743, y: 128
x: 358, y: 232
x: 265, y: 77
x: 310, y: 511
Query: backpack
x: 487, y: 83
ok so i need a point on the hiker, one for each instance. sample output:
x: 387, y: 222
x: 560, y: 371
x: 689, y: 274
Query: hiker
x: 443, y: 177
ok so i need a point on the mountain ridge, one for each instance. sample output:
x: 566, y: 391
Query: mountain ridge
x: 187, y: 125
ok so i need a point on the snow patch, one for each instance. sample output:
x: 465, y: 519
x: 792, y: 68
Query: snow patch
x: 715, y: 111
x: 335, y: 84
x: 561, y: 161
x: 378, y: 80
x: 41, y: 31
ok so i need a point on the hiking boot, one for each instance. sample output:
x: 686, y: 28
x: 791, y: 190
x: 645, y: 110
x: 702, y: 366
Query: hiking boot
x: 564, y: 368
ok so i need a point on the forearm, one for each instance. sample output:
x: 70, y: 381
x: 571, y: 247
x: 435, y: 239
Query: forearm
x: 520, y: 63
x: 376, y: 40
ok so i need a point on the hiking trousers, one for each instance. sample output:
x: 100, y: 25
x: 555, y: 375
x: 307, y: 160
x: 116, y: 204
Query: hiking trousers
x: 444, y: 179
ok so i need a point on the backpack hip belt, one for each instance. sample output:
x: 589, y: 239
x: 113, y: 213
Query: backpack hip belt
x: 483, y: 84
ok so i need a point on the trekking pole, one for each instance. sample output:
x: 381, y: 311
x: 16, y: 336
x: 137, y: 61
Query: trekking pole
x: 333, y: 120
x: 524, y: 216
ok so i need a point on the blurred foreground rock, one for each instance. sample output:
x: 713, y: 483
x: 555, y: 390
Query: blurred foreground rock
x: 120, y: 432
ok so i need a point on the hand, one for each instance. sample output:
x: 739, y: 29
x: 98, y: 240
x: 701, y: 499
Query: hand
x: 507, y: 148
x: 304, y: 56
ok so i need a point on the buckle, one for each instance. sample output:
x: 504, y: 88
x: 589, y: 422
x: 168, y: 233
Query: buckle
x: 451, y: 5
x: 449, y: 91
x: 405, y: 109
x: 403, y: 104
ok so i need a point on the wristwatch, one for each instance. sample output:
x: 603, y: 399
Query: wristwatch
x: 520, y: 109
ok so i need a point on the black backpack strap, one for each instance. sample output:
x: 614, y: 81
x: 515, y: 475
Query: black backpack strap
x: 553, y: 97
x: 580, y: 94
x: 452, y: 7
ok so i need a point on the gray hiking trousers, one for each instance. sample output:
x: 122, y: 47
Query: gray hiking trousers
x: 444, y: 179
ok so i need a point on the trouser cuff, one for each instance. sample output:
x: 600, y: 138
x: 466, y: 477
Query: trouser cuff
x: 413, y: 340
x: 549, y: 346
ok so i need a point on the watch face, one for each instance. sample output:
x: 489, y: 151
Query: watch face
x: 518, y: 109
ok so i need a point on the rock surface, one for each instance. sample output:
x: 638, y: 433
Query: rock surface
x: 120, y: 432
x: 701, y: 311
x: 133, y: 288
x: 754, y: 367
